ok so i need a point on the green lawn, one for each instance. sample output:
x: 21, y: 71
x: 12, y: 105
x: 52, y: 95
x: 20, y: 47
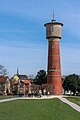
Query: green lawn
x: 52, y: 109
x: 74, y: 99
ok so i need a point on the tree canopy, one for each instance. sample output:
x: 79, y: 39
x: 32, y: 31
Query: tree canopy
x: 3, y: 70
x: 72, y: 83
x: 41, y: 77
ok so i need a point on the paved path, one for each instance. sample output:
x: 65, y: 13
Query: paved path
x: 8, y: 99
x: 73, y: 105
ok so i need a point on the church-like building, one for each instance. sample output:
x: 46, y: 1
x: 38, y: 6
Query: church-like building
x: 20, y: 84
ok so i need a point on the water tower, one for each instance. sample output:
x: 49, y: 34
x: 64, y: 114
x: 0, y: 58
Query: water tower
x: 53, y: 34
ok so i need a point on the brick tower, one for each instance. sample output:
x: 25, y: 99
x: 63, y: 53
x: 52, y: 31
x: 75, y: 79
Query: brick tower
x: 53, y: 34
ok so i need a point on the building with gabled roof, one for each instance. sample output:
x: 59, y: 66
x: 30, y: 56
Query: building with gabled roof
x: 20, y: 84
x: 4, y: 85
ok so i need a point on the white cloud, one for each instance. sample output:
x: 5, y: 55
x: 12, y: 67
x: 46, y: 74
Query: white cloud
x: 29, y: 59
x: 34, y: 55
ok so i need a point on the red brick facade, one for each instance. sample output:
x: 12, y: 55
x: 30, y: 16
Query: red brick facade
x: 54, y: 68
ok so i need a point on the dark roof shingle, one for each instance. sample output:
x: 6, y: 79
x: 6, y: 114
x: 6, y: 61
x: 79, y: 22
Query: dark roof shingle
x: 22, y: 77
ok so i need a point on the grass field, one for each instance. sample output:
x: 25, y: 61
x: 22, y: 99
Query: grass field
x: 52, y: 109
x: 74, y: 99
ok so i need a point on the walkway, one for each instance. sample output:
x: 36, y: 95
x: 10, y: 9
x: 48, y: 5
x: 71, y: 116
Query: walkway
x: 8, y: 99
x: 73, y: 105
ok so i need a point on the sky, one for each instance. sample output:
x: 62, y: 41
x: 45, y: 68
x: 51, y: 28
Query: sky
x: 23, y: 43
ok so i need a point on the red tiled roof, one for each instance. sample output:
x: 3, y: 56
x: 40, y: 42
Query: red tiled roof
x: 23, y: 81
x: 16, y: 82
x: 26, y: 81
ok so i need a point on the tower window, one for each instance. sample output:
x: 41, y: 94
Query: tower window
x: 52, y: 28
x: 53, y: 67
x: 53, y: 46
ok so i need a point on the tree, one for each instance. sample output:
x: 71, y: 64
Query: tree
x: 3, y: 70
x: 78, y: 89
x: 41, y: 77
x: 71, y: 83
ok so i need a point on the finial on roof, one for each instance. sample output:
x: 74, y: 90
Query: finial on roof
x: 17, y: 71
x: 53, y: 16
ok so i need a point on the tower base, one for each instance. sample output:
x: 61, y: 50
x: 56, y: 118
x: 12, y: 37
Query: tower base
x: 56, y: 83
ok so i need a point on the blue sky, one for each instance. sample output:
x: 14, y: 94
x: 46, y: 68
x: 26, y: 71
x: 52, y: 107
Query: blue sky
x: 23, y: 42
